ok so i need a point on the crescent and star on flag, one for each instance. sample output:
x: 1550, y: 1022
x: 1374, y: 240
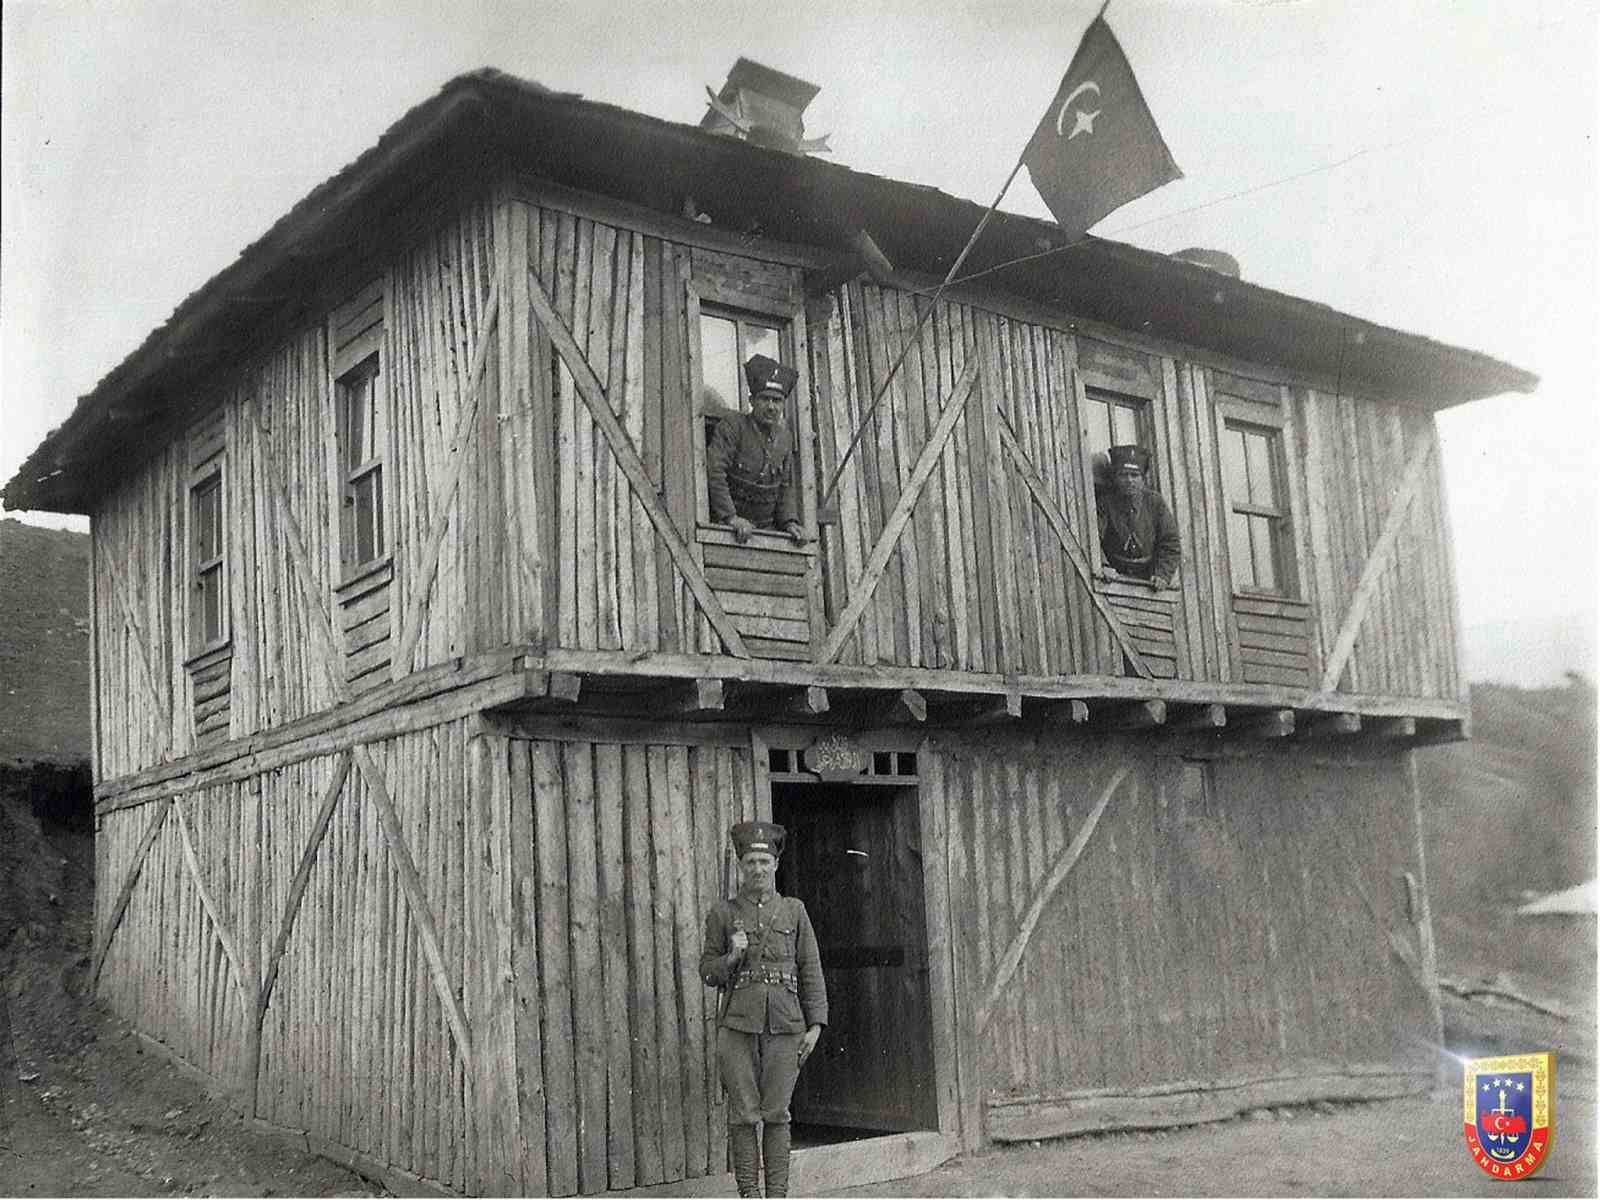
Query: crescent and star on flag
x: 1083, y: 120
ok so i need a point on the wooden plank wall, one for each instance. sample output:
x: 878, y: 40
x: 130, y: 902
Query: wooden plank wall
x: 625, y: 851
x: 545, y: 541
x: 978, y: 580
x: 355, y: 1046
x: 1224, y: 938
x: 622, y: 294
x: 1408, y: 643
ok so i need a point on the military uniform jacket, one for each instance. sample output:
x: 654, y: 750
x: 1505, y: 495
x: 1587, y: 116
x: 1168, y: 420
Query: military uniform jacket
x: 751, y: 473
x: 784, y: 992
x: 1139, y: 539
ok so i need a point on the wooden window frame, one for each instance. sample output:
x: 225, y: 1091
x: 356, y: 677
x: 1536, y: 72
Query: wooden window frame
x: 354, y: 566
x: 1086, y: 381
x: 789, y: 321
x: 1231, y: 411
x: 208, y: 478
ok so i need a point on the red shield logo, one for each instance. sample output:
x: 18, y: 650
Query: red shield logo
x: 1510, y: 1112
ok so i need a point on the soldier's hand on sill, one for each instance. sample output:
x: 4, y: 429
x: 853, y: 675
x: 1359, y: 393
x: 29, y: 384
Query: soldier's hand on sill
x: 741, y: 529
x: 796, y: 532
x: 1159, y: 583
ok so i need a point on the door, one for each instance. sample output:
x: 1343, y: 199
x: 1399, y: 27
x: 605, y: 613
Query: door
x: 854, y: 857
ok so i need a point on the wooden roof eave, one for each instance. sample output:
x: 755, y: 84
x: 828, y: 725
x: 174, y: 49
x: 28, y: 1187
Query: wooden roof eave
x: 771, y: 195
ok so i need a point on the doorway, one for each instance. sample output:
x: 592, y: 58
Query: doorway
x: 854, y: 856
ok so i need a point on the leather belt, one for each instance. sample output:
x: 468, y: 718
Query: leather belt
x: 766, y: 975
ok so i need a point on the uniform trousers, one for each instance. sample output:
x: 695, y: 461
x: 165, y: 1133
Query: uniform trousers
x: 758, y: 1072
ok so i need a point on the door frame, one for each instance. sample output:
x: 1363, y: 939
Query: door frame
x: 958, y: 1122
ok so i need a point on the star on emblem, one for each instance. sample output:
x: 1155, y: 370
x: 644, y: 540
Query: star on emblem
x: 1486, y: 1087
x: 1082, y: 122
x: 1522, y: 1087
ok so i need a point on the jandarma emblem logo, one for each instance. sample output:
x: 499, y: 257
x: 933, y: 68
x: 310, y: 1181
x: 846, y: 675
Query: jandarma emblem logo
x: 1510, y: 1112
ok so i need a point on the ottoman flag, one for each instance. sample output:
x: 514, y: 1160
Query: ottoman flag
x: 1097, y: 146
x: 1509, y: 1112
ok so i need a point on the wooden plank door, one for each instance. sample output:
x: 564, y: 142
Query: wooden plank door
x: 854, y: 857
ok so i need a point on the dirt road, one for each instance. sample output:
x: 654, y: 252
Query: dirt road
x: 1394, y: 1148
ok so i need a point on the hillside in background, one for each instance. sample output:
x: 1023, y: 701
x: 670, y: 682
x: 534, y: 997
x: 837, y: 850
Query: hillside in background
x: 44, y: 643
x: 1506, y: 816
x: 1532, y: 652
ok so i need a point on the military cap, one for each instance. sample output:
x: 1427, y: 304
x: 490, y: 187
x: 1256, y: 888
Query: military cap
x: 757, y: 835
x: 1123, y: 457
x: 769, y: 375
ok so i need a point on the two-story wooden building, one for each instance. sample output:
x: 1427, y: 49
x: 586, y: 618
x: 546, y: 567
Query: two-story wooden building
x: 425, y: 689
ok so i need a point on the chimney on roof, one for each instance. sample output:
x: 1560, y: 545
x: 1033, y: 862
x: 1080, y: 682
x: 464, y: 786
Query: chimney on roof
x: 1219, y: 261
x: 758, y: 104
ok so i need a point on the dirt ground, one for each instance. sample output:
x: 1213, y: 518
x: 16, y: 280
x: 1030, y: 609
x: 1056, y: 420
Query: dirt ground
x: 85, y: 1111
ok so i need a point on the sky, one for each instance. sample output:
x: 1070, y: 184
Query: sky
x: 1429, y: 166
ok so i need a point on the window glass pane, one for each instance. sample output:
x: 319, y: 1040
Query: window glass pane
x: 1235, y: 476
x: 367, y: 496
x: 719, y: 364
x: 1263, y: 489
x: 208, y: 520
x: 358, y: 420
x: 1126, y: 425
x: 1239, y: 550
x: 1097, y: 425
x: 758, y: 339
x: 1265, y: 559
x: 211, y: 605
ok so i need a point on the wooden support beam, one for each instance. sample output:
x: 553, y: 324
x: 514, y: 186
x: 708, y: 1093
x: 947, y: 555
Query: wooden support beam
x: 812, y: 700
x: 593, y: 394
x: 1326, y: 725
x: 1139, y: 714
x: 1052, y: 884
x: 894, y: 525
x: 996, y: 710
x: 1393, y: 728
x: 442, y: 501
x: 565, y: 686
x: 1202, y: 718
x: 688, y: 696
x: 1069, y: 545
x: 1377, y: 563
x: 1062, y: 712
x: 901, y: 708
x: 1275, y: 723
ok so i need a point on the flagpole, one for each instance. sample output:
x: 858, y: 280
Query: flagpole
x: 949, y: 277
x: 883, y: 388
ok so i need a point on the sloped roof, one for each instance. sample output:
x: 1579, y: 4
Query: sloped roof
x: 485, y: 123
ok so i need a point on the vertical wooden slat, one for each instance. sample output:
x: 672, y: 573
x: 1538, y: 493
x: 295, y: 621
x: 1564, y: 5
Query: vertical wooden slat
x: 556, y: 1029
x: 646, y: 1057
x: 613, y: 935
x: 526, y: 964
x: 669, y: 1034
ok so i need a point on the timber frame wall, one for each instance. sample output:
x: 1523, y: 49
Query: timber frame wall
x: 353, y: 853
x: 533, y: 500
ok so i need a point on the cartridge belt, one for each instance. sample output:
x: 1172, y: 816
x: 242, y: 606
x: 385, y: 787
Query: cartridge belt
x: 777, y: 975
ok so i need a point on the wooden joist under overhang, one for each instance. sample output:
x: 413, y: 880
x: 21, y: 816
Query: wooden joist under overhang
x: 667, y: 687
x: 517, y: 681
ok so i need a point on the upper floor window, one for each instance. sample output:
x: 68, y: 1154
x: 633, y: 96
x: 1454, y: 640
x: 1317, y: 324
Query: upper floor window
x: 1110, y: 420
x: 1258, y: 509
x: 209, y: 612
x: 727, y: 341
x: 361, y: 462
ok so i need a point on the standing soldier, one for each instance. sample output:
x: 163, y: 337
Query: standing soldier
x: 760, y: 949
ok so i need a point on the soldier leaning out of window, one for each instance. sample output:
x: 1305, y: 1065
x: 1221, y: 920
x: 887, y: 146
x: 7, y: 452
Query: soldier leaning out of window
x: 751, y: 478
x: 1138, y: 537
